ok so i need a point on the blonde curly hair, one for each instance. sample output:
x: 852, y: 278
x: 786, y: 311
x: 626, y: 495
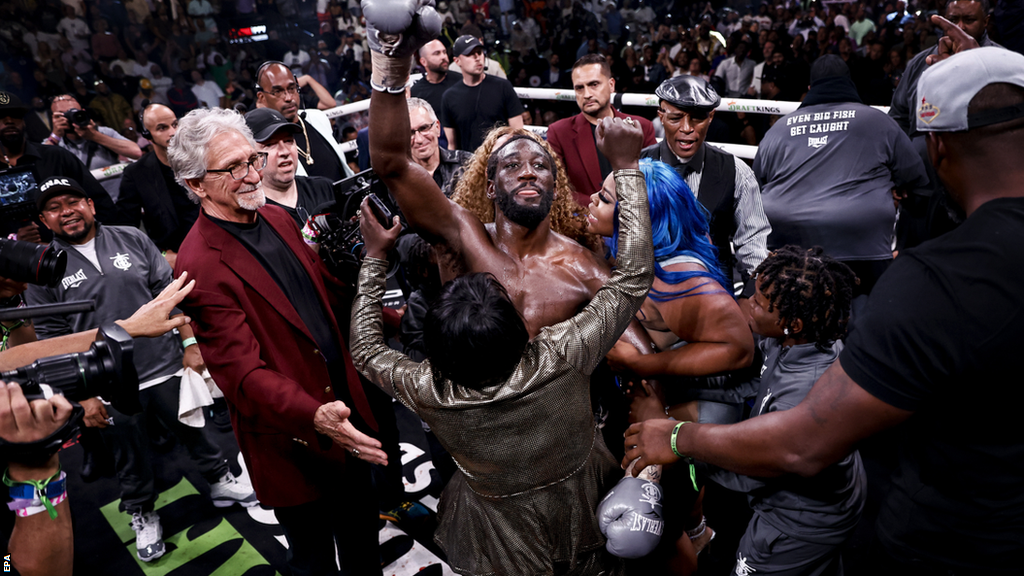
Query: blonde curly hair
x: 568, y: 218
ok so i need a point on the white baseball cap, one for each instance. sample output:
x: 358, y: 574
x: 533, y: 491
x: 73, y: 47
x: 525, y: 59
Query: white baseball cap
x: 946, y: 89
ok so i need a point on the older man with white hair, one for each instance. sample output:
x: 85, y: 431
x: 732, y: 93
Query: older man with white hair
x: 426, y: 150
x: 267, y: 328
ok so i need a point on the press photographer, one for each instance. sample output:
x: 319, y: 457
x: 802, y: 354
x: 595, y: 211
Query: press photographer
x: 76, y: 131
x: 38, y: 163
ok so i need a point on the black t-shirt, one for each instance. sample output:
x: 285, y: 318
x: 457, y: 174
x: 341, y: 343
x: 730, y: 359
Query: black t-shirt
x: 602, y: 161
x: 187, y: 210
x: 472, y: 111
x: 325, y: 160
x: 284, y: 267
x: 433, y: 93
x: 941, y: 336
x: 312, y: 192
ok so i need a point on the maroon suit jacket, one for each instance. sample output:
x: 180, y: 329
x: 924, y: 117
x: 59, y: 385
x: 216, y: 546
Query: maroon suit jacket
x: 571, y: 139
x: 264, y: 358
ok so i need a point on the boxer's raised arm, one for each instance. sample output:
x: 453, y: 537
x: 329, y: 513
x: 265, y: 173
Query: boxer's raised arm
x: 394, y: 30
x: 426, y: 208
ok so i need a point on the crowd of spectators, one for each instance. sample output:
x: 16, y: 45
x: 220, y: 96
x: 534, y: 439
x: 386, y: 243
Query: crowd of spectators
x: 113, y: 55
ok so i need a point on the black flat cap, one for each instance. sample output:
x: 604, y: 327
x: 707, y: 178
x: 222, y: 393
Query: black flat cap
x: 689, y: 92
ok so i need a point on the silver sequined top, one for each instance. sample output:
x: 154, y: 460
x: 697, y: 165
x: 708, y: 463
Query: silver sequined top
x: 533, y: 465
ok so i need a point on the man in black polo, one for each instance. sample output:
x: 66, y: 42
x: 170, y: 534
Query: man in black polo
x: 473, y: 107
x: 723, y: 183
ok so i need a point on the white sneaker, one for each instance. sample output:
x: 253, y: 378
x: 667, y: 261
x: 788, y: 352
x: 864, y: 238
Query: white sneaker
x: 228, y: 490
x: 149, y: 541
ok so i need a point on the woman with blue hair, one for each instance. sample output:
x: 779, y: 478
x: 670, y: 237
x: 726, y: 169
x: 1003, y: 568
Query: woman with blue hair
x: 695, y: 323
x: 702, y: 340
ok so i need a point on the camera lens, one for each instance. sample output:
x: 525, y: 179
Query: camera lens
x: 28, y: 262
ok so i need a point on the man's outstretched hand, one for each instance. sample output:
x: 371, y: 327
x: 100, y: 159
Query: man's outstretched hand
x: 153, y: 318
x: 332, y: 421
x: 650, y: 441
x: 955, y: 40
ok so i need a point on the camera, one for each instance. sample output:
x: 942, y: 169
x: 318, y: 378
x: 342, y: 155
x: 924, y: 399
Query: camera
x: 107, y: 369
x: 336, y: 226
x: 32, y: 263
x: 78, y: 117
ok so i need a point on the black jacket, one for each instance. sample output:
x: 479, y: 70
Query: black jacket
x: 144, y: 196
x: 451, y: 161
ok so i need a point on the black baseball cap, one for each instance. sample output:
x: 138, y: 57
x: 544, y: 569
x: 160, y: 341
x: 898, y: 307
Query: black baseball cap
x: 11, y: 105
x: 465, y: 44
x: 55, y: 186
x: 264, y: 122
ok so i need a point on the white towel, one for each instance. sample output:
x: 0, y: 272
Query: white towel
x: 194, y: 395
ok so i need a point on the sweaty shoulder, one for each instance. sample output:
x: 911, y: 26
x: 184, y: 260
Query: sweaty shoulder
x: 590, y: 268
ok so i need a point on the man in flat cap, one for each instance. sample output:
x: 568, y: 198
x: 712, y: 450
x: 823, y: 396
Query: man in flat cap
x: 828, y: 172
x: 723, y: 183
x: 940, y: 335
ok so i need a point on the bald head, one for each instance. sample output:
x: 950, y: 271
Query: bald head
x: 970, y: 15
x: 161, y: 123
x: 278, y: 90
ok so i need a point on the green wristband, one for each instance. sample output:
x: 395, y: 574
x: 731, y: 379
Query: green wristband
x: 675, y: 432
x: 188, y: 342
x: 687, y: 459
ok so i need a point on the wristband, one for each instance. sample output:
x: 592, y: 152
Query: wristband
x: 188, y: 342
x: 687, y: 459
x: 34, y: 496
x: 25, y: 508
x: 675, y: 432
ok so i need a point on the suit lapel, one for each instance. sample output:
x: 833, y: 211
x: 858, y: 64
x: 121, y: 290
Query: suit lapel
x: 236, y: 257
x: 587, y: 152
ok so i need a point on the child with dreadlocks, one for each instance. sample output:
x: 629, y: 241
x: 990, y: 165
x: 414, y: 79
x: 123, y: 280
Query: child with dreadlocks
x: 800, y: 310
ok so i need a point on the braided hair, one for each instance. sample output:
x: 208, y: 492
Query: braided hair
x: 809, y: 286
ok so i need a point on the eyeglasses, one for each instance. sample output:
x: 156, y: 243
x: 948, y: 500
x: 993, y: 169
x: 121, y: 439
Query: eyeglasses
x: 240, y: 171
x: 422, y: 130
x: 278, y: 91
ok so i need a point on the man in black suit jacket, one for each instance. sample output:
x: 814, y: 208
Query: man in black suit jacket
x: 148, y: 186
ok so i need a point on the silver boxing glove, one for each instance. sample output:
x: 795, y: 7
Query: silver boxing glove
x: 630, y: 517
x: 397, y: 28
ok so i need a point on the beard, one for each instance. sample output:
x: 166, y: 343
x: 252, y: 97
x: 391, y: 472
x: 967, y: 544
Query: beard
x: 76, y: 236
x: 526, y: 216
x: 12, y: 141
x: 439, y: 69
x: 250, y: 201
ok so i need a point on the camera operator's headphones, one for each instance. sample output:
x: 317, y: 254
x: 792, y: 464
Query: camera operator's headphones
x: 259, y: 74
x: 143, y: 131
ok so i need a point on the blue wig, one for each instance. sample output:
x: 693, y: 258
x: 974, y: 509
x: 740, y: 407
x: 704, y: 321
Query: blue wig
x: 680, y: 227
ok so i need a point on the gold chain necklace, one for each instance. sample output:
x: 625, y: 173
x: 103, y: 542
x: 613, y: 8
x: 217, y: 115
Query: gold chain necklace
x: 307, y: 155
